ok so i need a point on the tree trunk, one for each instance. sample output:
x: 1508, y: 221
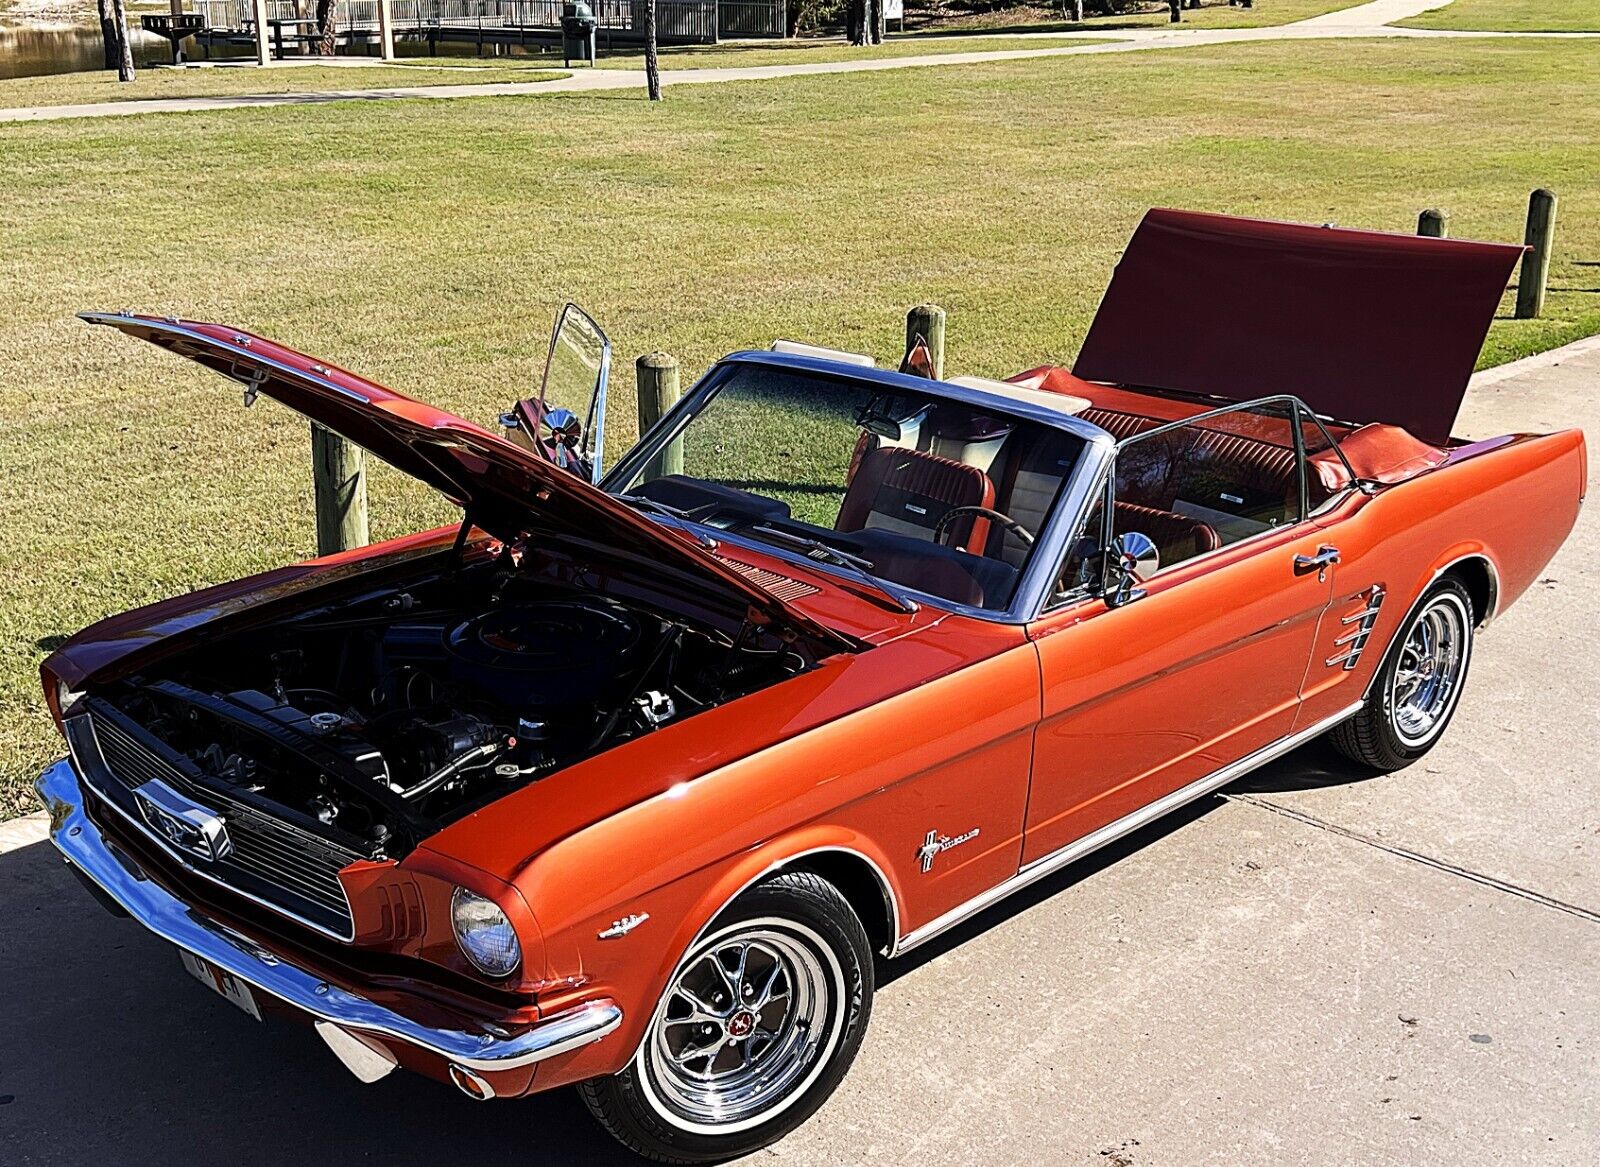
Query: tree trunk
x: 108, y: 33
x: 119, y: 13
x: 1077, y: 11
x: 856, y: 22
x: 880, y: 24
x: 652, y: 65
x: 327, y: 27
x: 1176, y: 7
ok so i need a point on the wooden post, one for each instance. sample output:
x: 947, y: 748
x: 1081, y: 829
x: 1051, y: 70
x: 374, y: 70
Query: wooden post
x: 657, y: 377
x: 385, y: 30
x: 338, y: 469
x: 263, y: 32
x: 1434, y: 223
x: 1540, y: 237
x: 927, y: 321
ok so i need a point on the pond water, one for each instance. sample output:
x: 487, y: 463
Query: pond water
x: 33, y: 52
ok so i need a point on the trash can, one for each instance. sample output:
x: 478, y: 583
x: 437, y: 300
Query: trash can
x: 577, y: 31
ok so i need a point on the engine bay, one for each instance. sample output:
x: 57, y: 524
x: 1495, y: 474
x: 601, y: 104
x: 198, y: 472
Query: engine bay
x: 378, y: 719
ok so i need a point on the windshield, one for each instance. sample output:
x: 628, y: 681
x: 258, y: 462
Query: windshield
x: 916, y: 491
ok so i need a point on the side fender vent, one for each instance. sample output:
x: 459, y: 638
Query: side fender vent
x: 1358, y: 629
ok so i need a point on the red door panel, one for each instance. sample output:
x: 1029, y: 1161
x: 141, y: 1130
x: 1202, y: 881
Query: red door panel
x: 1146, y: 698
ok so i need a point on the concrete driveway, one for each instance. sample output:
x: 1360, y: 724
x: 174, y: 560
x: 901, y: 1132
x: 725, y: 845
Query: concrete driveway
x: 1319, y: 967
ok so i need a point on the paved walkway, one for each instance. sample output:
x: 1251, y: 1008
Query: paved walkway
x: 1318, y: 968
x: 1365, y: 21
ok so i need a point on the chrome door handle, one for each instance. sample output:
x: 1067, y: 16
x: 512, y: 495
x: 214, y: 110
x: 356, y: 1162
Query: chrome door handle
x: 1325, y: 558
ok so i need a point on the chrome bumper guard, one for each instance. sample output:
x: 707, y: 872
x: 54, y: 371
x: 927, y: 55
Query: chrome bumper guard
x: 81, y: 842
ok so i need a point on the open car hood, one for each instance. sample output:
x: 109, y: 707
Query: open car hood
x: 1360, y: 325
x: 506, y: 490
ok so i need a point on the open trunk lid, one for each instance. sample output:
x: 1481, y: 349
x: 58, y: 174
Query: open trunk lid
x: 1362, y: 326
x: 506, y: 490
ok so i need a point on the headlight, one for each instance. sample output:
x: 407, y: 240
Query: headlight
x: 484, y: 933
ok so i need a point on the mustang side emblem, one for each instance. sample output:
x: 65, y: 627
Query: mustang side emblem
x: 625, y: 925
x: 188, y: 826
x: 935, y: 843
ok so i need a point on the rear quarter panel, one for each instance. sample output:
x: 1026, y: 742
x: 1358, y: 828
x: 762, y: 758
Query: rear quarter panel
x: 1509, y: 501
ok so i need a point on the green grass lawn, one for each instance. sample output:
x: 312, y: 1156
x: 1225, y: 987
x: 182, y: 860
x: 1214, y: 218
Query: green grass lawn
x: 1513, y: 16
x: 820, y: 49
x: 78, y: 88
x: 801, y: 50
x: 428, y: 245
x: 1215, y: 14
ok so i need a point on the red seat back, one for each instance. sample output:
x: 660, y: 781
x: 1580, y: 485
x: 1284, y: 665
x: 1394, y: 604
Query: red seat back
x: 909, y: 491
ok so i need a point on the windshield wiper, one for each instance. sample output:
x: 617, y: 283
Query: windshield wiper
x: 860, y: 568
x: 680, y: 516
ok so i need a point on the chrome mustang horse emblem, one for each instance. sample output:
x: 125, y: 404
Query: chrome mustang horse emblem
x: 936, y: 843
x: 186, y: 825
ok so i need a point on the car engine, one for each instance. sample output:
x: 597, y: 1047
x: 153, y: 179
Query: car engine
x: 382, y: 718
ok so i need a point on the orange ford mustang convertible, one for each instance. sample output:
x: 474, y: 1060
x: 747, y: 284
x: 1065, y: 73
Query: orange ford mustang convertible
x: 624, y: 781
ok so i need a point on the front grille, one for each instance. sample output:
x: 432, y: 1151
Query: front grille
x: 272, y: 862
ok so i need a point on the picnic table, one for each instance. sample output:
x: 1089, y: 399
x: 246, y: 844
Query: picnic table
x: 299, y: 39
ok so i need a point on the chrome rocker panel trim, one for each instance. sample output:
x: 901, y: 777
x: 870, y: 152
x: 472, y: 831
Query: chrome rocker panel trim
x: 82, y: 844
x: 1111, y: 832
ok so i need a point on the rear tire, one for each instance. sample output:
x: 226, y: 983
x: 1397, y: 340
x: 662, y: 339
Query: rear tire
x: 1418, y: 685
x: 757, y: 1027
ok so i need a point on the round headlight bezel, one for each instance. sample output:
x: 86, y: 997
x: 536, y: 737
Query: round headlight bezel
x: 464, y: 905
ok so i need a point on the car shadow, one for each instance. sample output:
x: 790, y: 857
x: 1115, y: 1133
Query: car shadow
x: 110, y: 1053
x: 1308, y: 768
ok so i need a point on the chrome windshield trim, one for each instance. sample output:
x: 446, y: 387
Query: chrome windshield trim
x: 80, y: 841
x: 1056, y: 860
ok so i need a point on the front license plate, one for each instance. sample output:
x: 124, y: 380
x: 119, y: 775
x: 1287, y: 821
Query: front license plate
x: 221, y: 981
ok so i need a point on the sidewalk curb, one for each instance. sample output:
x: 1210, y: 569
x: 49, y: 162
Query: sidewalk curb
x: 1545, y: 360
x: 35, y: 828
x: 18, y: 833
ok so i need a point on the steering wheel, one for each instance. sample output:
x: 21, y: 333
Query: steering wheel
x: 1003, y: 519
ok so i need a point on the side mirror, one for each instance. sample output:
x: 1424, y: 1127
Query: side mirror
x: 565, y: 428
x: 1136, y: 561
x: 556, y: 435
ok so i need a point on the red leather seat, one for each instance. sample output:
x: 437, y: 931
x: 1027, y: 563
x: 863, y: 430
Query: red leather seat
x: 908, y: 491
x: 1176, y: 537
x: 1188, y: 462
x: 1257, y: 466
x: 1118, y: 424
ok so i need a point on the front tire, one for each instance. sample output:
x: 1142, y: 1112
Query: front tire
x: 757, y: 1027
x: 1414, y: 695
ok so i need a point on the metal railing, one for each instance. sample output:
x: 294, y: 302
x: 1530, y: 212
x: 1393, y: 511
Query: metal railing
x: 736, y: 18
x: 694, y: 21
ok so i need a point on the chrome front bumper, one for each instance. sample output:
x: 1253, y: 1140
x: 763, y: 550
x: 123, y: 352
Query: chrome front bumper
x: 81, y: 842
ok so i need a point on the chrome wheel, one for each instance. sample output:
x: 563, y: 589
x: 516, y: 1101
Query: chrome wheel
x: 1427, y: 675
x: 747, y: 1023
